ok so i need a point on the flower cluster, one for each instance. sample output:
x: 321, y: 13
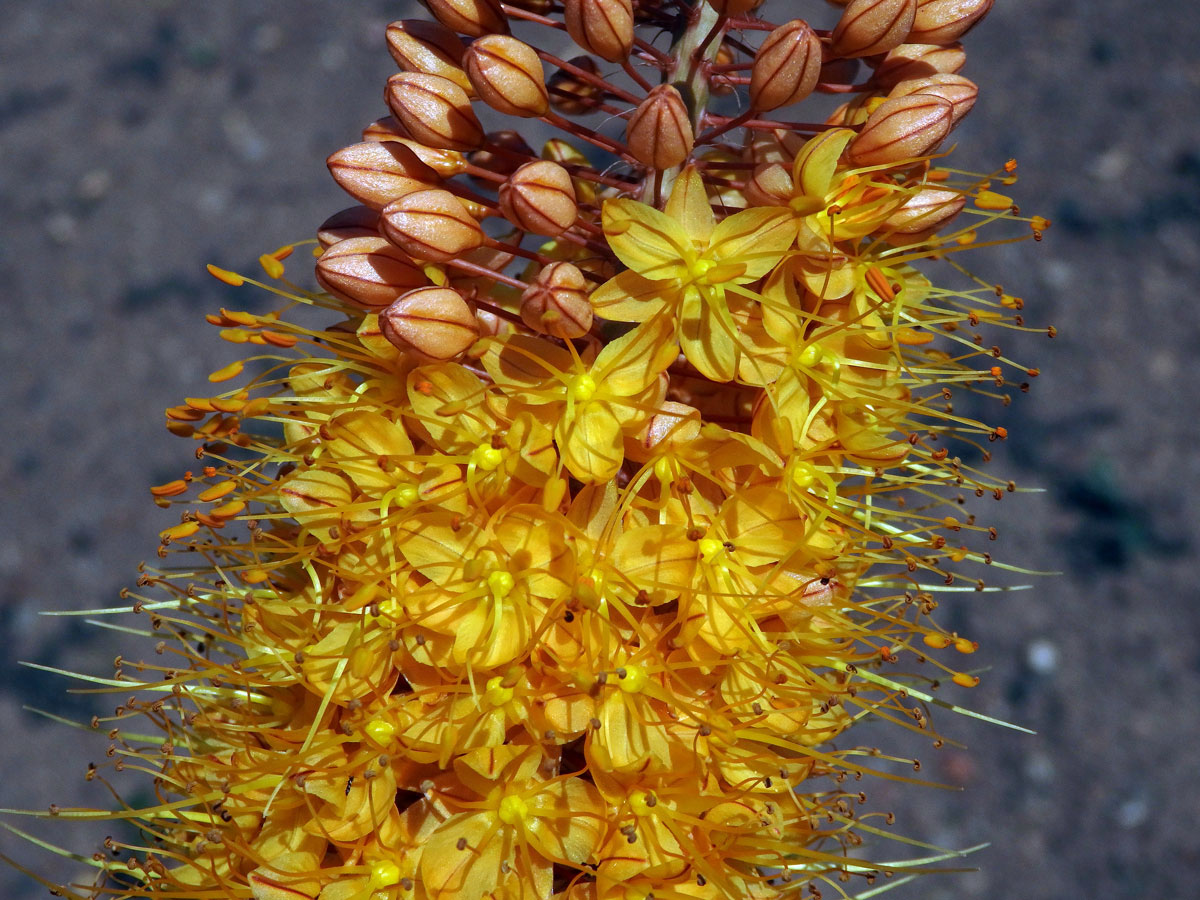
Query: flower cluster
x: 619, y: 486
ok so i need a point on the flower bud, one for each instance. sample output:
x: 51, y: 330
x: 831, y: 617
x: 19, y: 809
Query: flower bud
x: 853, y: 112
x: 434, y: 110
x: 868, y: 27
x: 944, y: 21
x: 569, y: 93
x: 659, y: 132
x: 540, y: 198
x: 602, y: 27
x: 356, y: 221
x: 474, y: 18
x: 368, y: 271
x: 377, y: 172
x: 787, y: 66
x: 420, y: 46
x: 956, y: 90
x: 929, y: 211
x: 557, y: 302
x: 901, y: 129
x: 770, y: 185
x: 507, y: 75
x: 444, y: 163
x: 734, y: 7
x: 918, y: 61
x: 434, y: 324
x: 503, y: 152
x: 430, y: 225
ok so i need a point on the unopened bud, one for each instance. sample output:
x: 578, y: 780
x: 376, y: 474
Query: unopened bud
x: 507, y: 75
x: 430, y: 225
x: 770, y: 185
x: 929, y: 211
x: 853, y: 112
x: 368, y: 271
x: 432, y: 323
x: 420, y: 46
x: 503, y: 152
x: 659, y: 132
x: 919, y: 61
x: 956, y: 90
x: 571, y: 94
x: 356, y: 221
x: 557, y: 302
x: 446, y: 163
x: 944, y: 21
x: 377, y: 172
x: 540, y: 198
x: 474, y: 18
x: 602, y: 27
x: 734, y: 7
x: 868, y: 27
x: 787, y: 66
x: 901, y: 129
x: 434, y: 110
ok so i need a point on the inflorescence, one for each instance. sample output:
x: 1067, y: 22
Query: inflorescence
x: 617, y: 481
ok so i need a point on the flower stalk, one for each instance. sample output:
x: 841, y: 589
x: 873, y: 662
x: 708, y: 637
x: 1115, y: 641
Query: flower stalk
x: 619, y: 480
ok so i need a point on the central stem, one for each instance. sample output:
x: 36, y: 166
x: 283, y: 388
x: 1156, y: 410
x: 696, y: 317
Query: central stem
x: 697, y: 45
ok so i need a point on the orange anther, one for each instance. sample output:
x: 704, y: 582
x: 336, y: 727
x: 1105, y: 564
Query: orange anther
x: 964, y: 680
x: 228, y: 510
x: 201, y: 403
x: 996, y: 371
x: 231, y: 278
x: 217, y: 491
x: 279, y: 339
x: 233, y: 370
x: 184, y: 414
x: 177, y: 532
x: 910, y: 337
x: 272, y: 266
x: 878, y: 282
x: 235, y: 335
x: 936, y: 641
x: 1010, y: 166
x: 962, y: 645
x: 226, y: 404
x: 170, y: 489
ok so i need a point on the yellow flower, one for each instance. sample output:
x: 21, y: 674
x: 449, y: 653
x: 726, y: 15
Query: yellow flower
x: 682, y: 262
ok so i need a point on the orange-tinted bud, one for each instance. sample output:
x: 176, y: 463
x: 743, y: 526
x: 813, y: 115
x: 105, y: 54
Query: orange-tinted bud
x: 787, y: 66
x: 868, y: 27
x: 540, y: 198
x: 944, y: 21
x: 474, y: 18
x: 659, y: 132
x: 430, y: 225
x: 602, y: 27
x: 956, y: 90
x: 419, y: 46
x: 901, y: 129
x: 919, y: 61
x: 929, y: 211
x: 507, y: 75
x: 445, y: 163
x: 569, y: 93
x: 557, y: 302
x: 377, y: 172
x: 432, y: 323
x: 853, y: 112
x: 434, y: 110
x: 770, y: 185
x: 503, y: 152
x: 368, y: 271
x: 356, y: 221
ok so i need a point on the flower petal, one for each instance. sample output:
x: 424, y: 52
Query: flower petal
x: 590, y: 443
x: 648, y: 241
x: 689, y: 205
x: 756, y: 239
x: 706, y: 334
x: 631, y: 298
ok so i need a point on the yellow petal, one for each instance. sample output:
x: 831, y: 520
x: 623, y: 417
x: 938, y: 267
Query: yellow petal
x: 633, y: 361
x: 706, y: 335
x: 449, y: 873
x: 658, y: 559
x: 688, y: 205
x: 631, y: 298
x: 568, y: 821
x: 591, y: 444
x: 815, y: 166
x: 648, y: 241
x: 756, y: 239
x: 763, y: 524
x: 522, y: 362
x: 440, y: 395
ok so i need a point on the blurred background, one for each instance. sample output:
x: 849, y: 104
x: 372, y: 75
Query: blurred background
x: 141, y: 140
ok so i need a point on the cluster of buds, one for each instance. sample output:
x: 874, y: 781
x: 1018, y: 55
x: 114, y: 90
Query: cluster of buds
x: 582, y: 533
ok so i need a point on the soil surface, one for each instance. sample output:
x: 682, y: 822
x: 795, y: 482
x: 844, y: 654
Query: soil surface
x: 142, y: 140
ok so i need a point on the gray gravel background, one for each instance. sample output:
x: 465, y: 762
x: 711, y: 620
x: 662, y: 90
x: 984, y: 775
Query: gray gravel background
x: 141, y: 140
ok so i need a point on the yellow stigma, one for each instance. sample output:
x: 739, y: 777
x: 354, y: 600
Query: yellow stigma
x: 634, y: 680
x: 384, y: 874
x: 804, y: 475
x: 380, y: 731
x: 500, y: 583
x: 710, y: 549
x: 486, y: 457
x: 513, y: 810
x: 583, y: 388
x: 810, y: 355
x: 639, y: 803
x: 496, y: 693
